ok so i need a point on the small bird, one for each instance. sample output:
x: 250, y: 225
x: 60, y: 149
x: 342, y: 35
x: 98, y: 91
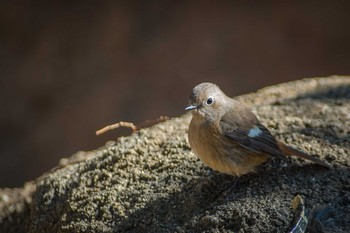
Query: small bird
x: 228, y: 137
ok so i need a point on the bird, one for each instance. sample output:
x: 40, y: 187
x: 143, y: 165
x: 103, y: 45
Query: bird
x: 228, y: 137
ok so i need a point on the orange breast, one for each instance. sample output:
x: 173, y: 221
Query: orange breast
x: 219, y: 152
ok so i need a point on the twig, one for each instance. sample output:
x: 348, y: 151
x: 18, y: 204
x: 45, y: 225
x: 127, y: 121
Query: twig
x: 152, y: 122
x: 115, y: 126
x: 133, y: 127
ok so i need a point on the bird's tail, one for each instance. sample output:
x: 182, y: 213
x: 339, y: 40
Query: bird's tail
x: 291, y: 151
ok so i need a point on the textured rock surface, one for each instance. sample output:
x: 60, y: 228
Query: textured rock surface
x: 151, y: 181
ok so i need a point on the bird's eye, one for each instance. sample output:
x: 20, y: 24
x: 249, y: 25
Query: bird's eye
x: 210, y: 100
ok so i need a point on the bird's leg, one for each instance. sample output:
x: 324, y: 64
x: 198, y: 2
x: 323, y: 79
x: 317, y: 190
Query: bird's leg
x: 224, y: 195
x: 233, y: 186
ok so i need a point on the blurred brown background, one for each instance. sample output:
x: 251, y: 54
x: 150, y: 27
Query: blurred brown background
x: 70, y: 67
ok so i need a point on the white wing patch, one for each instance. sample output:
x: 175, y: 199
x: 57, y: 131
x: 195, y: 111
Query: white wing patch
x: 253, y: 132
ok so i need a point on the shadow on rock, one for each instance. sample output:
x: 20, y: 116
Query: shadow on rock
x: 200, y: 205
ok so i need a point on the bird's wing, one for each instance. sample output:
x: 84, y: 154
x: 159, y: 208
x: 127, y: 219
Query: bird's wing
x: 244, y: 128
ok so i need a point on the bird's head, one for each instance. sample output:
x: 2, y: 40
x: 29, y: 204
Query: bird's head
x: 207, y: 101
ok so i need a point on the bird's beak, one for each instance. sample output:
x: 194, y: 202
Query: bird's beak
x: 191, y: 107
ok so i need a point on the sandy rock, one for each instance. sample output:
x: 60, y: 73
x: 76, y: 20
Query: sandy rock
x: 152, y: 182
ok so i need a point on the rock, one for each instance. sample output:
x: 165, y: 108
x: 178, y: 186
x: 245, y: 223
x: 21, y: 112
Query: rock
x: 152, y: 182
